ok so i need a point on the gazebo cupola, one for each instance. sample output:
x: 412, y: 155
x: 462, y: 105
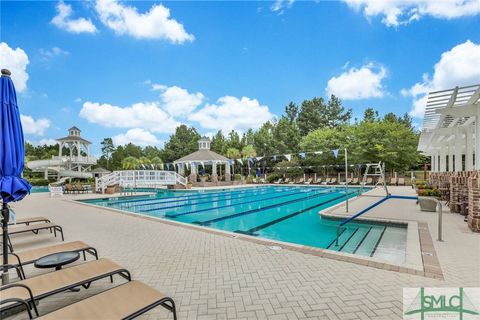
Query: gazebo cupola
x: 204, y: 143
x: 74, y: 132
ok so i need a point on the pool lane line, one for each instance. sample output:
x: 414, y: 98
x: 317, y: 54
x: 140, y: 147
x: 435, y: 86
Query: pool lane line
x: 235, y: 204
x: 188, y: 197
x: 251, y: 232
x: 191, y: 201
x: 199, y: 194
x: 237, y: 197
x: 208, y: 222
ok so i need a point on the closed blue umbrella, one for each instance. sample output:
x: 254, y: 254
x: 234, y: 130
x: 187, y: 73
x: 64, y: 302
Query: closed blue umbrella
x: 12, y: 152
x: 259, y: 172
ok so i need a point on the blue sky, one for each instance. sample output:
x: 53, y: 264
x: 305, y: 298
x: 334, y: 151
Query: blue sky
x: 135, y: 70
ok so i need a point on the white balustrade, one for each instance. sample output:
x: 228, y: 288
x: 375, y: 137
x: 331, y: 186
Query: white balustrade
x: 140, y: 179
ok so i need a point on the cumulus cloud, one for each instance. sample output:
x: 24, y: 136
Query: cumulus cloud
x: 398, y: 12
x: 146, y: 115
x: 279, y: 6
x: 49, y: 54
x: 456, y: 67
x: 48, y: 142
x: 154, y: 24
x: 178, y: 101
x: 362, y: 83
x: 231, y: 113
x: 136, y: 136
x: 15, y: 60
x: 34, y: 127
x: 64, y: 21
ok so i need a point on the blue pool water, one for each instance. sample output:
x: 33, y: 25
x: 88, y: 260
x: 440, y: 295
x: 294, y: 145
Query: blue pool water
x: 284, y: 213
x: 37, y: 189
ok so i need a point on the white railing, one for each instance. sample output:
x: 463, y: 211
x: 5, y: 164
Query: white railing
x: 139, y: 179
x: 76, y: 159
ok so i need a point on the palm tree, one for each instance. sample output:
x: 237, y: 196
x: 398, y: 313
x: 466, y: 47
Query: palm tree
x: 233, y: 153
x: 130, y: 163
x: 144, y: 162
x: 157, y: 163
x: 249, y: 152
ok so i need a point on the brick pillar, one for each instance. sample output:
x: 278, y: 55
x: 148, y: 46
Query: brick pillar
x: 474, y: 201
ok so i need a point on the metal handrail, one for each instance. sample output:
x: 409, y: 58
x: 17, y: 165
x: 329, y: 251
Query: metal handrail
x: 344, y: 222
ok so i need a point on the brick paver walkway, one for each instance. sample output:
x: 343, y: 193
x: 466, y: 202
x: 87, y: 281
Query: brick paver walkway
x: 217, y: 277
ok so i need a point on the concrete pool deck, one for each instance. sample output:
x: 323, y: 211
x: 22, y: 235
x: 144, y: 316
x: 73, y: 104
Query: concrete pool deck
x: 214, y: 276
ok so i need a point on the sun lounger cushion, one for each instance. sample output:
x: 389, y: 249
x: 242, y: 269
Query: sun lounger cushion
x: 50, y: 283
x: 30, y: 220
x: 30, y: 256
x: 117, y: 303
x: 31, y: 227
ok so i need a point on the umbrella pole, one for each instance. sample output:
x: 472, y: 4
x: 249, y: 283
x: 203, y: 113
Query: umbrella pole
x: 5, y: 216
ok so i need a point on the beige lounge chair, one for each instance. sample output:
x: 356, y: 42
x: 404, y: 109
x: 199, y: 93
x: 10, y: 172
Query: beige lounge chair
x: 35, y: 228
x: 48, y: 284
x: 278, y: 181
x: 393, y: 181
x: 379, y: 181
x: 29, y: 220
x: 126, y: 301
x: 333, y: 181
x: 369, y: 181
x: 327, y: 181
x: 287, y: 180
x: 23, y: 258
x: 401, y: 181
x: 354, y: 181
x: 309, y: 181
x: 300, y: 181
x: 318, y: 181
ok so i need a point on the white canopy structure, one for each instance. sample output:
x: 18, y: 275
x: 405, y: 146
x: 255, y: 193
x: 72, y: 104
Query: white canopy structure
x: 451, y: 129
x: 204, y: 156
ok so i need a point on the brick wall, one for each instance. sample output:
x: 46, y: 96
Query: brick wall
x: 474, y: 202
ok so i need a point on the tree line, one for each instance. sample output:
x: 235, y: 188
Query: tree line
x: 313, y: 125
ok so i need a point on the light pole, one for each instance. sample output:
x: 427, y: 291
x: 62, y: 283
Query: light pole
x: 346, y: 179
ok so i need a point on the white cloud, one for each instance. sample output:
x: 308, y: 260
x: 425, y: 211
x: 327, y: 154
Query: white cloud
x: 48, y: 142
x: 231, y: 113
x: 154, y: 24
x: 362, y: 83
x: 398, y: 12
x: 178, y: 101
x: 146, y: 115
x: 278, y: 6
x: 136, y: 136
x: 15, y: 60
x: 63, y: 20
x: 457, y: 67
x: 48, y: 54
x: 34, y: 127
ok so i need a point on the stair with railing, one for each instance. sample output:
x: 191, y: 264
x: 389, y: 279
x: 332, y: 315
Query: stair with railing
x: 139, y: 179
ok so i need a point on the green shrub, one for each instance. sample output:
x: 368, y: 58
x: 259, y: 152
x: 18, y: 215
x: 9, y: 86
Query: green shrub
x: 274, y: 177
x: 38, y: 182
x: 237, y: 176
x: 429, y: 193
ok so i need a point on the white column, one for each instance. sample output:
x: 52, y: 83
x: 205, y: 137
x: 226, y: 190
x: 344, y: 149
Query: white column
x: 60, y: 146
x: 450, y: 157
x: 469, y: 149
x: 433, y: 163
x: 443, y: 159
x: 458, y: 150
x: 477, y: 140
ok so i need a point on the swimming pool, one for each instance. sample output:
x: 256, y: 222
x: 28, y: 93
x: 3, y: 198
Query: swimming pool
x: 283, y: 213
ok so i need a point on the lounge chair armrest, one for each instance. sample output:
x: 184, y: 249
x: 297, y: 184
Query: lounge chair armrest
x: 31, y: 300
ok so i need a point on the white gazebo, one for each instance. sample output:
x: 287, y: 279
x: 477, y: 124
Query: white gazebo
x: 201, y: 158
x: 451, y: 129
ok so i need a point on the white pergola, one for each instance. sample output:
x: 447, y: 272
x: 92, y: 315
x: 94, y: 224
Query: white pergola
x: 451, y: 129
